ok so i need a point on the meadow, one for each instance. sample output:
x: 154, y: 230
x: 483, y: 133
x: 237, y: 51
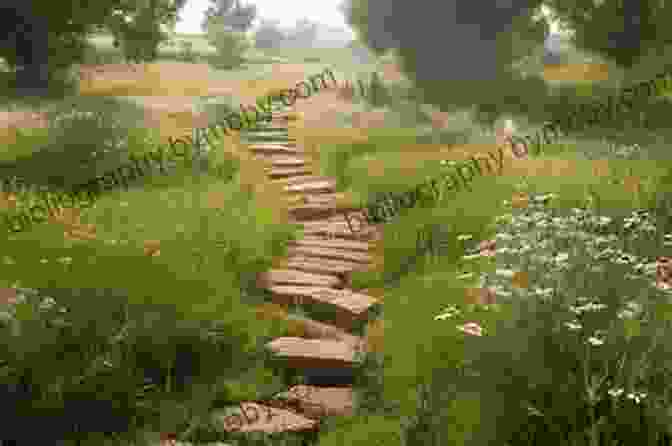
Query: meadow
x: 537, y: 317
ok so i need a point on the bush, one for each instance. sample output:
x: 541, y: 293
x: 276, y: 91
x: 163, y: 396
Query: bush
x: 186, y: 52
x: 230, y: 46
x: 86, y: 137
x: 87, y: 352
x: 579, y: 357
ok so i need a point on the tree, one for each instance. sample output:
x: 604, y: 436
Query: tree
x: 269, y: 35
x: 230, y: 14
x: 41, y: 37
x: 136, y: 27
x: 230, y: 44
x: 621, y: 31
x: 459, y: 54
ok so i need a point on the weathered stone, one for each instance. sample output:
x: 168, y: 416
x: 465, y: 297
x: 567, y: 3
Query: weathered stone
x: 295, y: 277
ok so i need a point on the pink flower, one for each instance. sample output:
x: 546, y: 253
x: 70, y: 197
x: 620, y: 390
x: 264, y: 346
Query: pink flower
x: 471, y: 328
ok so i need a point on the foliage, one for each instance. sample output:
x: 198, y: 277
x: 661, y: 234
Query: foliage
x: 44, y: 49
x: 69, y: 352
x: 187, y: 53
x: 140, y: 36
x: 622, y: 31
x: 588, y: 332
x: 229, y: 14
x: 86, y: 137
x: 230, y: 45
x: 495, y: 42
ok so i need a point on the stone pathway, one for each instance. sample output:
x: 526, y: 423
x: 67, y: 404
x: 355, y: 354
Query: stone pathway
x: 316, y: 271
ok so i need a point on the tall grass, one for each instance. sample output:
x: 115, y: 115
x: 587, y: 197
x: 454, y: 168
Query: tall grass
x: 157, y: 281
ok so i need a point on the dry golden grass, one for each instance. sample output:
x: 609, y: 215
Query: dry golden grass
x: 577, y: 72
x: 271, y: 311
x: 374, y: 336
x: 181, y: 79
x: 296, y: 328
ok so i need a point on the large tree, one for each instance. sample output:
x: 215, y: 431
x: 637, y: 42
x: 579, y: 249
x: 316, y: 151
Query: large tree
x: 459, y: 53
x: 41, y: 37
x: 230, y: 14
x: 136, y: 26
x: 622, y: 31
x: 465, y: 53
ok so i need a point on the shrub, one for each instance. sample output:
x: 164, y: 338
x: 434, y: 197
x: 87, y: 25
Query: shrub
x: 186, y: 52
x: 574, y: 351
x: 86, y: 137
x: 230, y: 46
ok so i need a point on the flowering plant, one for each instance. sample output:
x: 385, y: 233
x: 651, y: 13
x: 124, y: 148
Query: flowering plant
x: 578, y: 356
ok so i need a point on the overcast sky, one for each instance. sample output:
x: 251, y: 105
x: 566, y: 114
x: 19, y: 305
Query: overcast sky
x: 285, y: 11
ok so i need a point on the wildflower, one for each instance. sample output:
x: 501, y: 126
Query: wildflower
x: 471, y: 328
x: 615, y: 392
x: 507, y: 273
x: 47, y: 303
x: 595, y: 341
x: 448, y: 313
x: 573, y: 325
x: 562, y: 257
x: 637, y: 396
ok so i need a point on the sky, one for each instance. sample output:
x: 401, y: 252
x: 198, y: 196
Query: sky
x: 287, y: 12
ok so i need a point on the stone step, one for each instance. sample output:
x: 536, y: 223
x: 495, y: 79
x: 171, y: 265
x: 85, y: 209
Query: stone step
x: 299, y: 353
x: 349, y: 307
x: 263, y: 418
x: 315, y: 187
x: 275, y: 149
x: 332, y: 244
x: 296, y: 277
x: 315, y: 199
x: 336, y: 231
x: 315, y: 402
x: 299, y: 180
x: 319, y: 330
x: 282, y: 161
x: 328, y: 253
x: 280, y: 139
x: 311, y: 211
x: 290, y: 172
x: 323, y: 266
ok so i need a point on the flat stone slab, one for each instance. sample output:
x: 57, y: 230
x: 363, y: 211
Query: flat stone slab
x: 263, y: 418
x: 313, y: 353
x: 316, y: 402
x: 299, y: 180
x: 323, y: 266
x: 284, y: 161
x: 354, y: 304
x: 336, y: 231
x: 319, y: 330
x: 275, y: 148
x: 313, y: 187
x: 332, y: 244
x: 328, y: 253
x: 317, y: 199
x: 311, y: 211
x: 296, y: 277
x: 286, y: 172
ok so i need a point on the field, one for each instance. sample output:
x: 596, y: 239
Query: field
x: 237, y: 281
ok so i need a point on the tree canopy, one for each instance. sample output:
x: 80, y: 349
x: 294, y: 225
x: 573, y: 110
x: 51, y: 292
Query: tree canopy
x: 42, y: 36
x: 463, y: 54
